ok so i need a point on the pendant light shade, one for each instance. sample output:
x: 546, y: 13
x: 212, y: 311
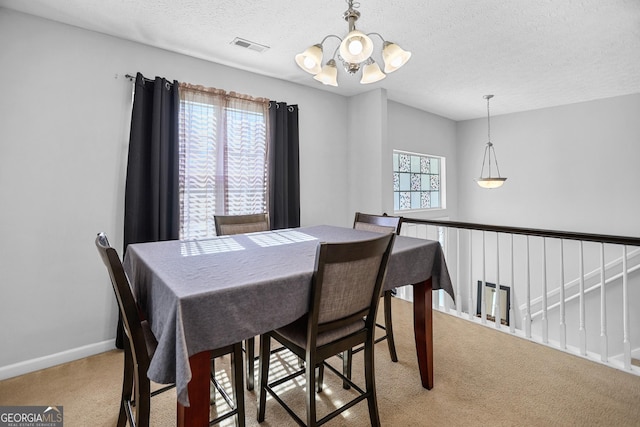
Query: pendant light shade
x: 491, y: 182
x: 488, y: 180
x: 394, y: 57
x: 371, y: 73
x: 311, y: 59
x: 329, y: 74
x: 354, y: 51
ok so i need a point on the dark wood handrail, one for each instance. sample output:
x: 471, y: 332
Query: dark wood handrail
x: 587, y: 237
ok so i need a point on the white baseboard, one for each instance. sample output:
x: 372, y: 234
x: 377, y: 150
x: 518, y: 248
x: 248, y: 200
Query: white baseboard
x: 36, y: 364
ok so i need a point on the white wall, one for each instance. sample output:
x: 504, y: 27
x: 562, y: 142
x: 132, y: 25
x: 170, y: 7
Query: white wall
x: 573, y: 167
x: 63, y: 148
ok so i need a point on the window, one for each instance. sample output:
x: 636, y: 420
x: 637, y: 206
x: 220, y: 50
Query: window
x: 223, y: 158
x: 417, y: 181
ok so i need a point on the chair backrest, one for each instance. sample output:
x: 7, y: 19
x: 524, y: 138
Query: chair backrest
x: 377, y: 223
x: 129, y: 310
x: 239, y: 224
x: 347, y: 282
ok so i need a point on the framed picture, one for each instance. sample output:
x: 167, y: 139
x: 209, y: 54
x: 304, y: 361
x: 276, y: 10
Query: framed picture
x: 490, y: 299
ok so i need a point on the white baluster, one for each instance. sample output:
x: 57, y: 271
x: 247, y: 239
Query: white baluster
x: 563, y: 324
x: 458, y: 303
x: 496, y: 308
x: 512, y: 319
x: 604, y: 346
x: 445, y: 300
x: 435, y: 302
x: 545, y: 317
x: 483, y: 309
x: 582, y: 331
x: 527, y: 315
x: 625, y: 310
x: 470, y: 296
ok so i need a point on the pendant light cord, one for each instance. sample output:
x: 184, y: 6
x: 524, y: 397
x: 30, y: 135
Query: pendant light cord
x: 488, y: 150
x: 488, y: 121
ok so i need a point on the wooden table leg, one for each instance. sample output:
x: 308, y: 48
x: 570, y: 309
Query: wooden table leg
x: 423, y: 330
x: 197, y: 414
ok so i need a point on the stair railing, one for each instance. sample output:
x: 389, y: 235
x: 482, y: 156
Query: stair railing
x: 529, y: 273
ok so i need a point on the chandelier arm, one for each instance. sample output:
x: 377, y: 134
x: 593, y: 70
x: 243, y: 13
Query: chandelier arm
x: 335, y: 51
x: 377, y: 34
x: 330, y: 35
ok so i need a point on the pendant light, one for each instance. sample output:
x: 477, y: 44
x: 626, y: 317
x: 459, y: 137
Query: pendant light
x: 489, y: 181
x: 355, y: 52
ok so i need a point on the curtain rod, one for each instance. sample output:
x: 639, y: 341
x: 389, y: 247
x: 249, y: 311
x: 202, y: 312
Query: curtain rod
x: 133, y: 79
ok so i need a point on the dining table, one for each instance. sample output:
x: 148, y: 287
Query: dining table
x: 204, y: 294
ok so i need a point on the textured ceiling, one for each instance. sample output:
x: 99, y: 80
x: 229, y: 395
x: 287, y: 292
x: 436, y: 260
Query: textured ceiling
x: 530, y: 54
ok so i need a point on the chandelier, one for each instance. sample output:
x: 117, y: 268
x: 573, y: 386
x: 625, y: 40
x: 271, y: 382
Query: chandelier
x: 354, y: 52
x: 489, y: 181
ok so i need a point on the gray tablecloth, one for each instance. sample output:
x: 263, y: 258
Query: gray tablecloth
x: 206, y: 294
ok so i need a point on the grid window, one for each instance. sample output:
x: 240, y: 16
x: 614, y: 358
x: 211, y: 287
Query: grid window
x: 417, y: 181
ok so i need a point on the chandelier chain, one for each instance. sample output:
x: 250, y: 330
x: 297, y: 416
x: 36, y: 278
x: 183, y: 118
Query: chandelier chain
x: 352, y: 4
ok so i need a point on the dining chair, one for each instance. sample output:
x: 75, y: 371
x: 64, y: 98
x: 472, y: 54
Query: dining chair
x: 139, y: 347
x: 381, y: 224
x: 239, y: 224
x: 345, y: 293
x: 377, y: 224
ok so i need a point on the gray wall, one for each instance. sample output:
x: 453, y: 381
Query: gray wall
x: 63, y: 147
x: 418, y: 131
x: 573, y: 167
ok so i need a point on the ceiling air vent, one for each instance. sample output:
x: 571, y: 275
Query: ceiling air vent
x: 249, y: 45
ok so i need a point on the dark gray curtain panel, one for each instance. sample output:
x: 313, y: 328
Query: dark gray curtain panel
x: 151, y: 211
x: 284, y: 166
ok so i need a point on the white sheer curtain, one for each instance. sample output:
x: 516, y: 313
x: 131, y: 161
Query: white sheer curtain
x: 223, y: 157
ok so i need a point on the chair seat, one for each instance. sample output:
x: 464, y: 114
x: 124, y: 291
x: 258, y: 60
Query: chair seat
x: 296, y: 332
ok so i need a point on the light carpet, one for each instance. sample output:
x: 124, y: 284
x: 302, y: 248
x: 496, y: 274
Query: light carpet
x: 482, y: 378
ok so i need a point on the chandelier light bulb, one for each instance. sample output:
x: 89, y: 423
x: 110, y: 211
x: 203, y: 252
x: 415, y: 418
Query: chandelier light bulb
x: 309, y: 63
x: 355, y: 47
